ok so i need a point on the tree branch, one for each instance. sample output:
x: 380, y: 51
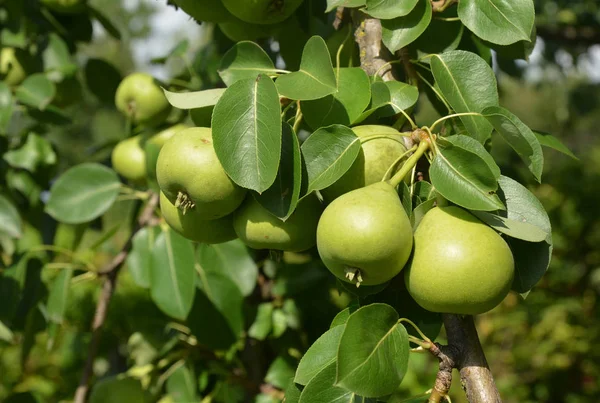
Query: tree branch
x: 374, y: 57
x: 110, y: 271
x: 475, y: 375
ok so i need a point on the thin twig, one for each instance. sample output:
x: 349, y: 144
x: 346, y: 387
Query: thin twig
x: 110, y: 271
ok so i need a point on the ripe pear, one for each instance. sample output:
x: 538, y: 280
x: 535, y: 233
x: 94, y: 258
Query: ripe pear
x: 191, y: 176
x: 259, y: 229
x: 364, y: 236
x: 380, y: 148
x: 459, y: 264
x: 194, y: 227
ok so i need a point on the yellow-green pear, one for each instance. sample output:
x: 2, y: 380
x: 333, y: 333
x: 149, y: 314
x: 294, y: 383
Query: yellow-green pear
x: 194, y: 227
x: 259, y: 229
x: 459, y: 264
x: 364, y: 236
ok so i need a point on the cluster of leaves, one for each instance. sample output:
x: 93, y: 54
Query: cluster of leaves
x: 283, y: 134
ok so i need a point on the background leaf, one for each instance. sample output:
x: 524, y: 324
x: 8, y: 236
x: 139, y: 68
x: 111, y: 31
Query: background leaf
x: 83, y: 193
x: 246, y: 127
x: 172, y: 274
x: 329, y: 153
x: 10, y: 220
x: 36, y: 91
x: 181, y: 385
x: 139, y: 258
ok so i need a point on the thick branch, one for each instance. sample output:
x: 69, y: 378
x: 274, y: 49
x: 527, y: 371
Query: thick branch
x: 110, y: 271
x: 374, y: 57
x: 475, y: 375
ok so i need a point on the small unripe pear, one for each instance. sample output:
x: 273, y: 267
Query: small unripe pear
x: 194, y: 227
x: 259, y: 229
x: 459, y: 264
x: 129, y: 159
x: 381, y: 146
x: 364, y: 236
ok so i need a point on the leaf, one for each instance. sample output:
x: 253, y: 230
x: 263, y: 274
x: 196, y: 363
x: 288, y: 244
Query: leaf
x: 58, y: 296
x: 246, y: 127
x: 524, y: 218
x: 263, y: 323
x: 320, y: 355
x: 10, y: 220
x: 391, y: 97
x: 532, y: 260
x: 466, y: 174
x: 102, y: 79
x: 345, y: 105
x: 329, y: 153
x: 57, y: 59
x: 401, y: 31
x: 283, y: 195
x: 468, y: 83
x: 225, y: 296
x: 279, y: 322
x: 36, y: 91
x: 83, y: 193
x: 373, y: 342
x: 139, y: 258
x: 172, y: 274
x: 331, y: 4
x: 36, y: 152
x: 321, y: 389
x: 245, y: 60
x: 181, y: 385
x: 105, y: 22
x: 341, y: 318
x: 548, y: 140
x: 519, y: 137
x: 441, y: 35
x: 231, y: 259
x: 6, y: 106
x: 316, y: 77
x: 498, y: 21
x: 196, y: 99
x: 389, y: 9
x: 5, y: 333
x: 280, y: 371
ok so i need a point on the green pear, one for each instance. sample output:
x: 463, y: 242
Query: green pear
x: 194, y: 227
x: 140, y: 98
x: 129, y: 159
x: 380, y: 148
x: 459, y: 264
x: 15, y: 65
x: 364, y: 236
x: 259, y: 229
x: 191, y: 176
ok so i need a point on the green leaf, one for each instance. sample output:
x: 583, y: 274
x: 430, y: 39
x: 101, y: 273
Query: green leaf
x: 83, y: 193
x: 329, y: 153
x: 10, y: 220
x: 532, y: 260
x: 524, y: 218
x: 331, y: 4
x: 373, y: 342
x: 225, y: 296
x: 102, y: 79
x: 139, y: 258
x: 172, y: 274
x: 548, y: 140
x: 389, y: 9
x: 465, y: 174
x: 36, y: 91
x: 196, y: 99
x: 401, y: 31
x: 245, y: 60
x: 422, y: 191
x: 280, y: 371
x: 6, y: 106
x: 105, y: 22
x: 390, y: 97
x: 246, y: 127
x: 498, y: 21
x: 209, y: 325
x: 419, y: 212
x: 5, y: 333
x: 181, y: 385
x: 263, y: 323
x: 58, y: 296
x: 283, y: 195
x: 320, y: 355
x: 279, y: 322
x: 345, y: 105
x: 292, y: 393
x: 316, y: 77
x: 341, y: 318
x: 441, y: 35
x: 468, y: 83
x: 36, y: 152
x: 231, y: 259
x: 321, y: 389
x: 519, y: 137
x: 57, y: 59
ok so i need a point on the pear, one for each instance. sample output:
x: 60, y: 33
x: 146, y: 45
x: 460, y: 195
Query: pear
x: 459, y: 265
x: 364, y: 236
x: 380, y: 148
x: 259, y: 229
x: 194, y: 227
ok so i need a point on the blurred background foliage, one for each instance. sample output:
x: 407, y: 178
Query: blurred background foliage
x: 543, y: 349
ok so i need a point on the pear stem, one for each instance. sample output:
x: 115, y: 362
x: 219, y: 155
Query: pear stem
x: 410, y: 163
